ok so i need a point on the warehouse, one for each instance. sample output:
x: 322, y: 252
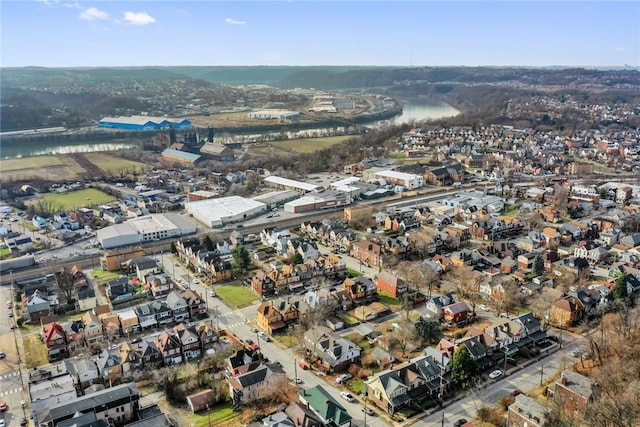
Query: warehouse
x: 144, y: 229
x: 274, y: 199
x: 273, y: 114
x: 408, y: 180
x: 324, y: 200
x: 181, y: 157
x: 290, y: 184
x: 224, y: 210
x: 144, y: 123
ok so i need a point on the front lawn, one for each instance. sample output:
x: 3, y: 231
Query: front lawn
x: 357, y: 386
x: 4, y: 251
x: 219, y: 415
x: 236, y: 296
x: 35, y: 351
x: 353, y: 273
x: 388, y: 300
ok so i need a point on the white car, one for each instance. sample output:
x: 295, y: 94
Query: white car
x: 483, y: 307
x: 195, y: 281
x: 495, y: 374
x: 212, y: 293
x: 347, y: 396
x: 297, y: 380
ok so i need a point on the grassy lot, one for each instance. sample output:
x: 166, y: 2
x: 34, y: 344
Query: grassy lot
x: 309, y: 145
x: 35, y: 351
x: 114, y: 165
x: 389, y: 300
x: 236, y: 296
x: 78, y: 199
x: 511, y: 210
x: 357, y: 386
x: 219, y: 415
x: 288, y: 340
x: 5, y: 251
x: 104, y: 276
x: 353, y: 273
x: 54, y: 168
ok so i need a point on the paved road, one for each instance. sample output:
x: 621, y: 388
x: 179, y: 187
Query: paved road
x: 524, y: 379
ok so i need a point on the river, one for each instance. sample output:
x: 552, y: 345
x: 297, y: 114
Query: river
x: 413, y: 110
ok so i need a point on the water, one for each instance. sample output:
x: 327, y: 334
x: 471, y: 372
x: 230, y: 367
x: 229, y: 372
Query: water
x: 29, y: 149
x: 413, y: 110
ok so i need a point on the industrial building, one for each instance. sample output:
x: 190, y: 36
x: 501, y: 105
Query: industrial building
x: 144, y: 229
x: 144, y: 123
x: 314, y: 201
x: 182, y: 157
x: 274, y: 199
x: 351, y: 185
x: 217, y: 151
x: 408, y: 180
x: 476, y: 199
x: 290, y: 184
x: 224, y: 210
x: 197, y: 195
x: 273, y: 114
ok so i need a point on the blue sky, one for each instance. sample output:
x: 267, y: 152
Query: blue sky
x: 61, y: 33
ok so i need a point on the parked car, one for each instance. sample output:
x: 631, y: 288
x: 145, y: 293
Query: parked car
x: 195, y: 281
x: 297, y: 380
x: 495, y: 374
x: 2, y: 423
x: 9, y: 304
x: 368, y: 411
x: 347, y: 396
x: 136, y: 340
x: 515, y: 392
x: 212, y: 293
x: 3, y: 406
x: 460, y: 422
x: 343, y: 378
x: 483, y: 307
x: 303, y: 365
x: 2, y: 355
x: 264, y: 336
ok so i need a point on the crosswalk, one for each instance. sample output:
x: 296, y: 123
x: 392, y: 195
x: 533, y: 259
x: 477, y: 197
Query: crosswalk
x: 11, y: 391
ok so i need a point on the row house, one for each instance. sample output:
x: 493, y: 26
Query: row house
x: 215, y: 267
x: 593, y: 255
x: 178, y: 306
x: 330, y: 349
x: 55, y: 338
x: 359, y: 288
x: 307, y: 250
x: 129, y: 321
x: 410, y: 384
x: 189, y: 341
x: 195, y: 304
x: 274, y: 315
x: 109, y: 365
x: 390, y: 284
x: 159, y: 284
x: 170, y: 348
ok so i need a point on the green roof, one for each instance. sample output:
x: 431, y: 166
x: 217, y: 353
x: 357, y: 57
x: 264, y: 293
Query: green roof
x: 325, y: 405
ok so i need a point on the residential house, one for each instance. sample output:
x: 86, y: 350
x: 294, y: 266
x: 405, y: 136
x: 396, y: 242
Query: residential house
x: 189, y: 340
x: 117, y: 405
x: 130, y: 358
x: 208, y: 337
x: 119, y: 289
x: 86, y: 299
x: 275, y: 314
x: 303, y: 415
x: 37, y: 306
x: 151, y: 357
x: 55, y: 339
x: 566, y: 312
x: 196, y: 305
x: 532, y: 328
x: 434, y: 307
x: 250, y: 386
x: 526, y: 411
x: 109, y: 365
x: 146, y: 316
x: 178, y: 306
x: 330, y: 349
x: 92, y: 330
x: 326, y: 407
x: 159, y: 284
x: 368, y: 253
x: 110, y: 325
x: 86, y: 372
x: 479, y: 351
x: 129, y: 321
x: 390, y: 284
x: 169, y: 347
x: 163, y: 313
x: 573, y: 393
x: 243, y: 360
x: 455, y: 314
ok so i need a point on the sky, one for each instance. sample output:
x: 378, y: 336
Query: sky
x: 63, y: 33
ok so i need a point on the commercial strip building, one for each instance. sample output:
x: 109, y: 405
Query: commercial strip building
x: 277, y: 198
x: 224, y: 210
x: 144, y: 229
x: 408, y: 180
x: 314, y: 201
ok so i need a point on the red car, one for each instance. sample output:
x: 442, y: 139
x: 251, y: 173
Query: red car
x: 304, y: 366
x: 3, y: 406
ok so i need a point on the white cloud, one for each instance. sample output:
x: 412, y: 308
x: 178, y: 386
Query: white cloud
x: 234, y: 22
x: 621, y: 49
x: 93, y: 14
x: 74, y: 5
x: 139, y: 18
x: 48, y: 3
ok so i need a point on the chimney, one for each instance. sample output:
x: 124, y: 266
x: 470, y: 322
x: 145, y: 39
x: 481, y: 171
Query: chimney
x: 563, y: 379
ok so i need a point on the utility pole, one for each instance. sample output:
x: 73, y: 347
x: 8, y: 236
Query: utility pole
x: 441, y: 395
x: 541, y: 373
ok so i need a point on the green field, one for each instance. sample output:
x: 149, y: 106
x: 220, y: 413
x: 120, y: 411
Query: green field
x: 78, y: 199
x: 236, y: 296
x: 220, y: 415
x: 102, y: 276
x: 309, y: 145
x: 114, y: 165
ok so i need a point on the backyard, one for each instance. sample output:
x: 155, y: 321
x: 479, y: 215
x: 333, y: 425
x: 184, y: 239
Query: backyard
x: 220, y: 415
x: 235, y: 296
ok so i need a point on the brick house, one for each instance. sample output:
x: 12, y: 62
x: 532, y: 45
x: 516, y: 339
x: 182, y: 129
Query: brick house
x: 390, y: 284
x: 573, y: 392
x: 368, y: 253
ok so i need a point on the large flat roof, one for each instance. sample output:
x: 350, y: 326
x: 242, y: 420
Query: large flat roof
x: 142, y: 120
x: 223, y: 207
x: 291, y: 183
x: 181, y: 154
x: 396, y: 174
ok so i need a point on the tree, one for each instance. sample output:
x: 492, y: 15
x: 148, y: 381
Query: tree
x: 620, y: 288
x: 538, y: 266
x: 463, y: 369
x: 297, y: 259
x: 64, y: 279
x: 428, y: 329
x: 241, y: 258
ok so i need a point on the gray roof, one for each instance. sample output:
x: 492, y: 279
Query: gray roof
x: 89, y: 402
